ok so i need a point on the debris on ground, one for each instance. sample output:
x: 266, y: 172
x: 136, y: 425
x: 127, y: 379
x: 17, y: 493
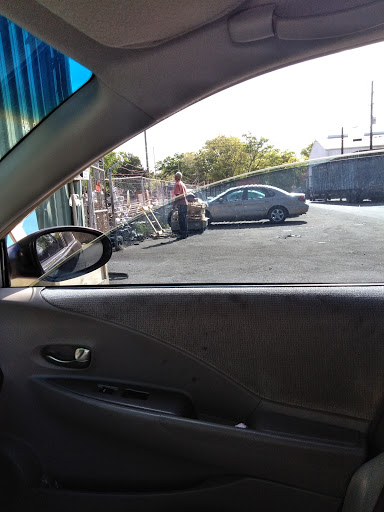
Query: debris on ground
x: 289, y: 236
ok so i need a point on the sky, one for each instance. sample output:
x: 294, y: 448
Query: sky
x: 79, y: 74
x: 291, y: 107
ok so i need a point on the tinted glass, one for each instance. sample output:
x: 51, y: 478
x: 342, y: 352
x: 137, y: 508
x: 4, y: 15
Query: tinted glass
x: 256, y: 194
x: 34, y: 80
x: 236, y: 195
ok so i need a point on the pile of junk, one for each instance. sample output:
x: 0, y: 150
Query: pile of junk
x: 197, y: 221
x: 125, y: 234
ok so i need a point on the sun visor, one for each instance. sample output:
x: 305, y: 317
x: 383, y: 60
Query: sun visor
x: 262, y: 22
x: 138, y: 23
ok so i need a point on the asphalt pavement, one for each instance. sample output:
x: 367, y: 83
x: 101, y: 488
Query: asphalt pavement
x: 333, y: 243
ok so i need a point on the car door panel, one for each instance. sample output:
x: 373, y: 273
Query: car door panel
x: 250, y: 451
x: 131, y: 443
x: 225, y: 496
x: 255, y: 207
x: 230, y: 207
x: 233, y: 211
x: 295, y: 358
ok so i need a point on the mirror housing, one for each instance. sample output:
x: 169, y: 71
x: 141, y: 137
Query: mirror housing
x: 59, y: 253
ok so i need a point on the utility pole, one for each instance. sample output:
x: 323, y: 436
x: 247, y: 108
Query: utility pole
x: 104, y: 185
x: 146, y: 151
x: 372, y: 120
x: 112, y: 199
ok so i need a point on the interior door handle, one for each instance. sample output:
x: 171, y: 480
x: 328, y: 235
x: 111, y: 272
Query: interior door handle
x: 69, y: 356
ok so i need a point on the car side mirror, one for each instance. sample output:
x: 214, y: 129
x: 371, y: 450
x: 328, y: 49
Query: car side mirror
x: 221, y: 199
x: 59, y: 253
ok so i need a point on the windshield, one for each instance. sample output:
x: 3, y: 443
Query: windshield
x: 34, y: 80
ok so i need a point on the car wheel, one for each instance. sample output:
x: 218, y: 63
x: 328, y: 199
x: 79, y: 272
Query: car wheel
x: 277, y: 214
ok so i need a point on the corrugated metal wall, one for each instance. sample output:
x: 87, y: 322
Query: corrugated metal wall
x: 358, y: 172
x: 35, y: 79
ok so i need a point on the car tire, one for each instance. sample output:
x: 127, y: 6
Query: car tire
x: 277, y: 214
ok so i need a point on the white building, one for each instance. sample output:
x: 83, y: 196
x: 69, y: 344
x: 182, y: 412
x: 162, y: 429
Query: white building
x: 353, y: 143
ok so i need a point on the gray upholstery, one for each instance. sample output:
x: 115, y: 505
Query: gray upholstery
x: 272, y: 340
x: 138, y: 22
x: 340, y: 24
x: 365, y: 487
x: 252, y: 25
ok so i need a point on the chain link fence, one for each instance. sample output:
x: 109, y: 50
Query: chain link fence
x: 131, y: 194
x: 112, y: 200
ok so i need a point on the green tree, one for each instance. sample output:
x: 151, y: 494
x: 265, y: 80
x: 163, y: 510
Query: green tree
x: 305, y: 152
x: 122, y: 163
x: 170, y: 165
x: 256, y: 150
x: 262, y: 155
x: 191, y: 170
x: 221, y: 158
x: 224, y: 157
x: 186, y: 163
x: 277, y: 157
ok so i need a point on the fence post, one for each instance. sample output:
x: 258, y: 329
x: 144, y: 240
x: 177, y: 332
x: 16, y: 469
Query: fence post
x: 142, y: 190
x: 74, y: 210
x: 91, y: 212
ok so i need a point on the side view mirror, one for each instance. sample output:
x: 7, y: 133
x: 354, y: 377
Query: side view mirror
x: 221, y: 199
x: 59, y: 253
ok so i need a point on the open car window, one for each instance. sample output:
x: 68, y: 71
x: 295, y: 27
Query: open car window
x: 312, y: 174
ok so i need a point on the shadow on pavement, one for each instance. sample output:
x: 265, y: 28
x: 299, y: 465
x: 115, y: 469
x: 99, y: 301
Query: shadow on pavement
x: 253, y: 225
x: 161, y: 244
x: 364, y: 204
x: 117, y: 276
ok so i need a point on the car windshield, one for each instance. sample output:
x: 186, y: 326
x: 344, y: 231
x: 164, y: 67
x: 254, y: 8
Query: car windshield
x: 34, y: 80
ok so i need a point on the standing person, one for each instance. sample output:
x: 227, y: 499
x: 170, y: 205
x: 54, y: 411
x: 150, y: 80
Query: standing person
x: 181, y: 204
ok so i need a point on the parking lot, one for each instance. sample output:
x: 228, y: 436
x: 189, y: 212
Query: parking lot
x: 333, y: 243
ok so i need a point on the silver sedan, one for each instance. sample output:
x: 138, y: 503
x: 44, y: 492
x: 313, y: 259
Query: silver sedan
x: 255, y: 202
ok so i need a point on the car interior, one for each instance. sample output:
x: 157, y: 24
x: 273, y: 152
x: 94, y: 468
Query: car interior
x: 261, y: 397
